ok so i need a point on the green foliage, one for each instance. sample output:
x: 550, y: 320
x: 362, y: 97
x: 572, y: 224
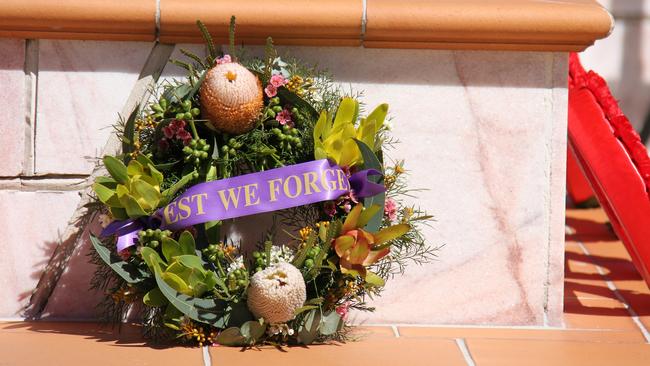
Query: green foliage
x: 127, y: 271
x: 335, y: 139
x: 316, y: 323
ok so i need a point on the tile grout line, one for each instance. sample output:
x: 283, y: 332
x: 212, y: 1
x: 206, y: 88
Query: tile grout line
x: 617, y: 293
x: 207, y: 360
x: 395, y: 331
x: 462, y: 346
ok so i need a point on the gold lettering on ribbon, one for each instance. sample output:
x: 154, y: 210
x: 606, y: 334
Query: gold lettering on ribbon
x: 169, y: 213
x: 250, y: 193
x: 340, y: 175
x: 310, y: 182
x: 328, y: 185
x: 274, y: 189
x: 232, y: 197
x: 199, y: 202
x: 287, y: 191
x: 183, y: 206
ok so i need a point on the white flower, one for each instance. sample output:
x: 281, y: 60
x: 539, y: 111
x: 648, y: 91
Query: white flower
x: 236, y: 264
x: 276, y: 292
x: 281, y: 254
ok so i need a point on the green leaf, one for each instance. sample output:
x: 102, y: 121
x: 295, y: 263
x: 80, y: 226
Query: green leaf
x: 118, y: 213
x: 152, y: 259
x: 231, y: 337
x: 106, y: 195
x: 252, y: 331
x: 107, y: 182
x: 177, y: 283
x: 128, y: 135
x: 216, y: 312
x: 134, y: 168
x: 374, y: 280
x: 370, y: 161
x: 191, y: 261
x: 297, y: 101
x: 171, y: 249
x: 308, y: 331
x: 154, y: 298
x: 133, y: 208
x: 149, y: 194
x: 130, y: 273
x: 187, y: 245
x: 378, y: 115
x: 390, y: 233
x: 331, y: 323
x: 169, y: 193
x: 116, y: 169
x: 346, y: 114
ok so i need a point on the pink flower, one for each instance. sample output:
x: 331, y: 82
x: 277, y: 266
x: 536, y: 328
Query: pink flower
x: 342, y: 310
x: 168, y: 132
x: 284, y: 117
x: 185, y: 136
x: 390, y: 209
x: 270, y: 91
x: 277, y: 80
x: 226, y: 59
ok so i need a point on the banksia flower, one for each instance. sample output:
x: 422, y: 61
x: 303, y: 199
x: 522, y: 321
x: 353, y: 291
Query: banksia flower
x: 276, y: 292
x: 231, y: 98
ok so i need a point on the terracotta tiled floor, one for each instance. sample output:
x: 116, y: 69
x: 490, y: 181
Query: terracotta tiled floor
x: 607, y: 311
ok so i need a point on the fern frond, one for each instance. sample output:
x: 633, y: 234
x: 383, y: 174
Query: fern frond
x: 194, y: 57
x: 231, y: 38
x: 212, y: 51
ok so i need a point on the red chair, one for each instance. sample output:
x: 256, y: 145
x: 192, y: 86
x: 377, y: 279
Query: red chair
x: 577, y: 185
x: 613, y: 159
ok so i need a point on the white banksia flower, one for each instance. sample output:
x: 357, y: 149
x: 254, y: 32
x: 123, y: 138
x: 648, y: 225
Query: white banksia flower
x: 276, y: 292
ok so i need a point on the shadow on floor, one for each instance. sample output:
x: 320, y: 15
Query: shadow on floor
x: 126, y: 335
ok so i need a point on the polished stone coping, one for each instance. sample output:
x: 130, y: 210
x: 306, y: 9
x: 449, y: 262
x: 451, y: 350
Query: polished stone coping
x: 524, y: 25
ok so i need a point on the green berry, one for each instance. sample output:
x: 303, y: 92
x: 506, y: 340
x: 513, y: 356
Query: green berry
x: 195, y: 111
x: 309, y: 263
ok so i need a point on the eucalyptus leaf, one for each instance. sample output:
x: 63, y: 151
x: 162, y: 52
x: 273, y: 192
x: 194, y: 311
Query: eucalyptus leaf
x: 308, y: 331
x: 130, y: 273
x: 154, y: 298
x: 151, y: 258
x: 330, y: 323
x: 252, y: 331
x: 231, y: 337
x: 210, y: 311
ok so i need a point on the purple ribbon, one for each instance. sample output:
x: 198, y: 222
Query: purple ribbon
x: 271, y: 190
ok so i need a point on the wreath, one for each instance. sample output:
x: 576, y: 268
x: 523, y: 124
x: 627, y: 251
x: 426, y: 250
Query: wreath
x: 242, y: 136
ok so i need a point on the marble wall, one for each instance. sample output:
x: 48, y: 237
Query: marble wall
x: 484, y: 133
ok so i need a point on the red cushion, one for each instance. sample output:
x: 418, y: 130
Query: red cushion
x: 607, y: 150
